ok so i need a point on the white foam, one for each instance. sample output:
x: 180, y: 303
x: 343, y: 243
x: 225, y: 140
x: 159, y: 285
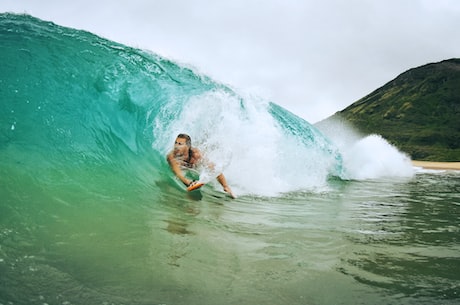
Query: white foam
x: 369, y: 157
x: 373, y: 157
x: 245, y: 142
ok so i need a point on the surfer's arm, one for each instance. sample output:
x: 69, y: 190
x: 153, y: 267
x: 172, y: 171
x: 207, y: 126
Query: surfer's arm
x: 175, y: 167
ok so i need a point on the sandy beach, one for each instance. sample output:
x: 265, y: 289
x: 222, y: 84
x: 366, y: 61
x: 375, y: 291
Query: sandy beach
x: 437, y: 165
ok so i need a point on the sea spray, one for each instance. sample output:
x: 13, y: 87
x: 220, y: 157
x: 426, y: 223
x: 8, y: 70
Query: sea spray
x: 373, y: 157
x: 245, y: 138
x: 366, y: 157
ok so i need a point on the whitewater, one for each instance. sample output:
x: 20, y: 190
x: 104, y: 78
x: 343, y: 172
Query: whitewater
x: 90, y: 212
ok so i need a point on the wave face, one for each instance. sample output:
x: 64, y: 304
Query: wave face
x: 82, y: 110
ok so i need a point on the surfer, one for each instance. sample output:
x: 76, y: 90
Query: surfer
x: 185, y: 156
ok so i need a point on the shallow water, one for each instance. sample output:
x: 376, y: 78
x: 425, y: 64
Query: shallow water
x: 361, y: 242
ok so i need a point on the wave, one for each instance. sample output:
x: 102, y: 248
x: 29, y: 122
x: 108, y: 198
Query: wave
x: 82, y: 107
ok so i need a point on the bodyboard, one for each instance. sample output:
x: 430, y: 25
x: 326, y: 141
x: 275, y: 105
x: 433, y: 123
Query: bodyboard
x: 195, y: 186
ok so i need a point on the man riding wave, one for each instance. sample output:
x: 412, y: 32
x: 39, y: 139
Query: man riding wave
x: 185, y: 156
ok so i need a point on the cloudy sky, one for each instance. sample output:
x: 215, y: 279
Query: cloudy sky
x: 312, y: 57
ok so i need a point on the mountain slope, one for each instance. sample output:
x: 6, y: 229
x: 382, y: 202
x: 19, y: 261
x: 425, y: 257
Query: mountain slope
x: 419, y: 112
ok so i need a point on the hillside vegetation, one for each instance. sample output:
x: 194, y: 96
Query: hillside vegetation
x: 418, y: 112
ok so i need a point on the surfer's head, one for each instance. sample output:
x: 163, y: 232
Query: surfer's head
x: 183, y: 145
x: 187, y: 139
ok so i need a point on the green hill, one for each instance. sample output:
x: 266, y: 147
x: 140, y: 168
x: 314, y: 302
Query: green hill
x: 418, y: 112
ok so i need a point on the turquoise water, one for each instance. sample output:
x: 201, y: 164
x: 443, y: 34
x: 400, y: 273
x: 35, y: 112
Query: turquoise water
x: 90, y: 213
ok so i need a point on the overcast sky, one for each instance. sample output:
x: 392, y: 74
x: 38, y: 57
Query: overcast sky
x: 312, y: 57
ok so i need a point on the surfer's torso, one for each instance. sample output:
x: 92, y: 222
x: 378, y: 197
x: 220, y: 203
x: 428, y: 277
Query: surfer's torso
x: 189, y: 159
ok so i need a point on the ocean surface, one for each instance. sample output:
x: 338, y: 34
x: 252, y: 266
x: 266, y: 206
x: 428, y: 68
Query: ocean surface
x: 90, y: 212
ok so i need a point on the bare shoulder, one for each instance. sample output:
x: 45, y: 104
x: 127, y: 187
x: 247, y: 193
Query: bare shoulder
x: 196, y: 154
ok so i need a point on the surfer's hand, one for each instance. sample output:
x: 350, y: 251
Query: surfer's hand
x: 193, y: 182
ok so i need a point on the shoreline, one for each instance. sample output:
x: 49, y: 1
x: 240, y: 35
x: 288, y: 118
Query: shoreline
x: 437, y: 165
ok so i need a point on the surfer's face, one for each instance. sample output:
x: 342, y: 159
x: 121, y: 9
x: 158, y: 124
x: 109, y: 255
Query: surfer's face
x: 180, y: 146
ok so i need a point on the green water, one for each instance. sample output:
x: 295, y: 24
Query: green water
x: 91, y: 214
x: 371, y: 242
